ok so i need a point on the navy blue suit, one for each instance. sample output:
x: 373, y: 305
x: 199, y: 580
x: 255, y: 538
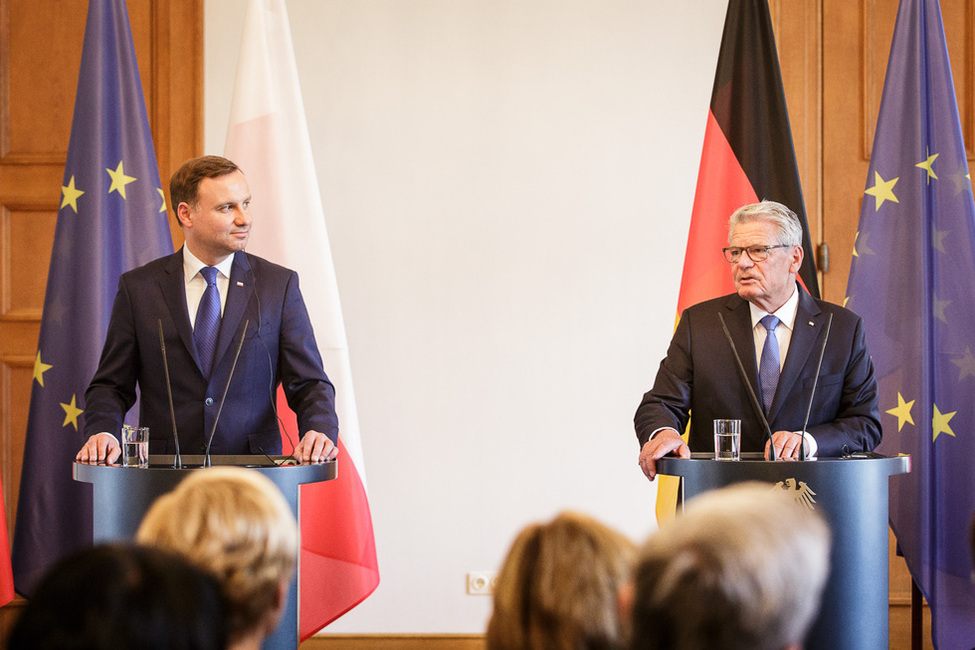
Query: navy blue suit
x: 279, y: 347
x: 699, y: 376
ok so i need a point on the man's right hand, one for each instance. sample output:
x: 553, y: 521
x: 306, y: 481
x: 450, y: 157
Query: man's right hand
x: 665, y: 442
x: 100, y: 448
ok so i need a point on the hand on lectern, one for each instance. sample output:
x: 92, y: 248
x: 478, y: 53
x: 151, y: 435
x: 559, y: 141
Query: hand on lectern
x: 100, y: 448
x: 665, y: 441
x: 315, y: 447
x: 786, y: 445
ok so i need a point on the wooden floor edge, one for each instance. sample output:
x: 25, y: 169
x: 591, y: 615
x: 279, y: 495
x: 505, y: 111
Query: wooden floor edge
x: 394, y: 642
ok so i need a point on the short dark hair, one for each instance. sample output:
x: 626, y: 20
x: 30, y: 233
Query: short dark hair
x: 184, y: 185
x: 123, y: 596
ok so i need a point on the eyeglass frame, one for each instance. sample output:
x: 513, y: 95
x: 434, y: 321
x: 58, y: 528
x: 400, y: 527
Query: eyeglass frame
x: 746, y: 250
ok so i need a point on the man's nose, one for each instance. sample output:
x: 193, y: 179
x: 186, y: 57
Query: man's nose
x: 744, y: 262
x: 242, y: 217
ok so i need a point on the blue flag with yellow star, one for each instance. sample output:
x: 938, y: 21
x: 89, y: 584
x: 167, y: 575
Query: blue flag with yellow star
x: 913, y: 282
x: 112, y: 218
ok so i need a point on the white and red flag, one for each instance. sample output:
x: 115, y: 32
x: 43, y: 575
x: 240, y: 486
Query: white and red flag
x: 268, y: 139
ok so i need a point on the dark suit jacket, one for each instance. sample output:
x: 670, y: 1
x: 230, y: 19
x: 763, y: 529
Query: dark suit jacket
x: 700, y: 376
x: 279, y: 347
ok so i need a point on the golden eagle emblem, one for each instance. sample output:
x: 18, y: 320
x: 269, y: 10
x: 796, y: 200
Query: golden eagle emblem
x: 799, y: 491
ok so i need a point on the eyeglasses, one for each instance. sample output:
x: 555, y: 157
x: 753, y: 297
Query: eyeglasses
x: 755, y: 253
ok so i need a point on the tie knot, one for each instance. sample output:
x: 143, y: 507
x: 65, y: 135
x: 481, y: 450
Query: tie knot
x: 770, y: 322
x: 209, y: 274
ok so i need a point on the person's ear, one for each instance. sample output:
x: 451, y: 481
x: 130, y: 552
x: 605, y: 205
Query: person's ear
x: 184, y: 215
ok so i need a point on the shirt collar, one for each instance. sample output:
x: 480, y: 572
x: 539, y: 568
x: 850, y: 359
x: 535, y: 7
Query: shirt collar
x: 786, y: 313
x: 192, y: 265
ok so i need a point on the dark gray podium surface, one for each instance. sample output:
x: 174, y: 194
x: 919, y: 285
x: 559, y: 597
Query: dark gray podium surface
x: 122, y: 495
x: 852, y: 494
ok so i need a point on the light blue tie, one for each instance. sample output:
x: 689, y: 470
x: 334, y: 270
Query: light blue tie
x: 768, y: 367
x: 207, y: 320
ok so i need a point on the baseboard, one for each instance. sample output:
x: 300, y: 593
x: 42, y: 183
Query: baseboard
x: 395, y: 642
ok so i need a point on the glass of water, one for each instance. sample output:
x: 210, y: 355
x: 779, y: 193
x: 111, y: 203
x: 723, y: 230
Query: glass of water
x: 727, y: 439
x: 135, y: 446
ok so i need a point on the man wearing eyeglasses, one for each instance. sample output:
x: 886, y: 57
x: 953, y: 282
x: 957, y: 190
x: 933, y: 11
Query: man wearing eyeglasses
x: 778, y: 330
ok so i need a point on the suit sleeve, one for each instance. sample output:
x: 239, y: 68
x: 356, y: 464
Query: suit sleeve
x: 308, y: 389
x: 668, y: 403
x: 111, y: 392
x: 856, y: 426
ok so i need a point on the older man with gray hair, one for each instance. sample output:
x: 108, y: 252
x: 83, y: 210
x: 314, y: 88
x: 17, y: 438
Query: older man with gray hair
x: 727, y: 574
x: 778, y: 331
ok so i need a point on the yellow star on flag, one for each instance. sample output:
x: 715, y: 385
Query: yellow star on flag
x: 928, y: 166
x: 902, y: 412
x: 71, y: 413
x: 40, y: 368
x: 162, y: 208
x: 882, y: 190
x: 119, y: 180
x: 71, y: 194
x: 939, y: 309
x: 939, y: 239
x: 966, y: 364
x: 940, y: 422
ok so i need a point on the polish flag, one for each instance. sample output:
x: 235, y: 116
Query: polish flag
x: 268, y: 139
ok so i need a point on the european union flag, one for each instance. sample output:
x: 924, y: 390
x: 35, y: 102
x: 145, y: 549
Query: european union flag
x: 913, y: 282
x: 112, y: 218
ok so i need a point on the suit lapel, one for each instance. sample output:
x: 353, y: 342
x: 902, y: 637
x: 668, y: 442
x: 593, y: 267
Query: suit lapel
x: 740, y: 326
x: 805, y: 334
x: 173, y: 286
x: 238, y: 295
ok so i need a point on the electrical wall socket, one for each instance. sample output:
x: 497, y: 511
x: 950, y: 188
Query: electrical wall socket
x: 481, y: 583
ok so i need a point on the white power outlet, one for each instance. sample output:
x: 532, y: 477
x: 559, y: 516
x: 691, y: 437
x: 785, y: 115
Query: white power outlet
x: 481, y: 583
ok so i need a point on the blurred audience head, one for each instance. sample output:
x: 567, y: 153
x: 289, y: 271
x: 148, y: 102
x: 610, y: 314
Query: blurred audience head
x: 236, y: 524
x: 116, y: 596
x: 742, y: 568
x: 557, y: 589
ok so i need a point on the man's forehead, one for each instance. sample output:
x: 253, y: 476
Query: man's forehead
x: 229, y: 188
x: 757, y: 232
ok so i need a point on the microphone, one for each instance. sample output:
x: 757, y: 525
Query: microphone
x: 177, y: 460
x: 206, y: 454
x: 751, y: 391
x: 812, y: 395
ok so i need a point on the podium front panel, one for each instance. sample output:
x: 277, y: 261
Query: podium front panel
x: 122, y: 496
x: 852, y: 495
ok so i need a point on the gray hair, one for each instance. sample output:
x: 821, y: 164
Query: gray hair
x: 743, y: 568
x: 784, y: 220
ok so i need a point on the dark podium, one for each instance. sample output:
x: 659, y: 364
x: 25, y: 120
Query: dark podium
x: 122, y: 495
x: 852, y: 494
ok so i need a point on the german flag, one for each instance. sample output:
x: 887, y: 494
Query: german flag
x: 748, y: 156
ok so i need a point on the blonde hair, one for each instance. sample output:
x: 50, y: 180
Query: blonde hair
x: 742, y: 568
x: 236, y: 524
x: 558, y: 585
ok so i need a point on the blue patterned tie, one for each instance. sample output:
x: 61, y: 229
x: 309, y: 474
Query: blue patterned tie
x: 207, y: 320
x: 768, y: 367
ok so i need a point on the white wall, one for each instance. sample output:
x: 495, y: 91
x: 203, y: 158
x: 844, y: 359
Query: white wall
x: 507, y: 186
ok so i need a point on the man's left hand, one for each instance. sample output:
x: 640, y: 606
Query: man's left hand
x: 786, y: 445
x: 315, y: 447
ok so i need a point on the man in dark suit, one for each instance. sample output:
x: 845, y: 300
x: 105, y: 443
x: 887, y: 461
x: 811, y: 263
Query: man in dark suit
x: 207, y: 298
x: 700, y: 376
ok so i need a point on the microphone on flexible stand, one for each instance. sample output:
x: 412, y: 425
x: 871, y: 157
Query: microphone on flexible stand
x: 751, y: 391
x: 812, y: 395
x: 206, y: 454
x: 177, y: 460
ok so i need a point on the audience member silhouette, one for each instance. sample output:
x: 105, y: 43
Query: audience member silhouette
x: 234, y: 523
x: 742, y: 568
x: 116, y: 596
x: 557, y: 588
